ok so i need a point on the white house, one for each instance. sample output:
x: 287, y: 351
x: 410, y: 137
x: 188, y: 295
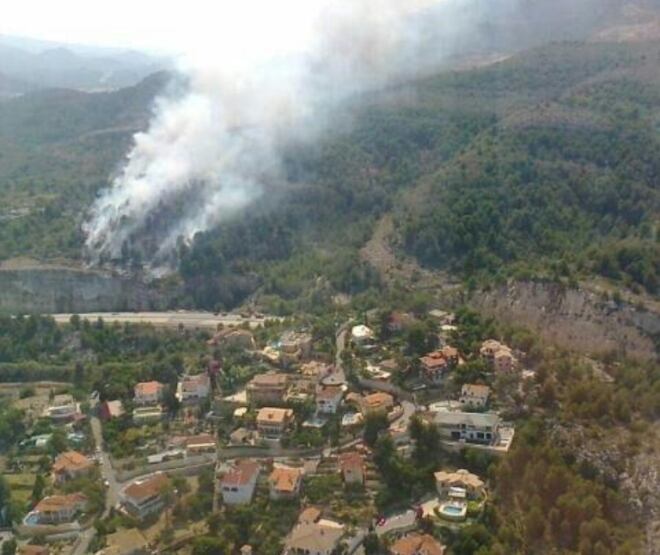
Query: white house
x: 362, y: 335
x: 328, y: 398
x: 192, y: 389
x: 470, y: 427
x: 474, y: 395
x: 63, y: 408
x: 143, y: 497
x: 237, y: 486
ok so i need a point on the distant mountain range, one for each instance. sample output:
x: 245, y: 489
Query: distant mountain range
x: 28, y: 65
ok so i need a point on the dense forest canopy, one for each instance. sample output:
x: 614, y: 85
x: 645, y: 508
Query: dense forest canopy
x: 544, y: 164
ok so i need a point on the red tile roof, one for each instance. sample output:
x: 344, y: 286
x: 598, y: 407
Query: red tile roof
x: 285, y: 479
x: 71, y: 461
x: 242, y: 473
x: 148, y: 487
x: 148, y: 388
x: 417, y: 544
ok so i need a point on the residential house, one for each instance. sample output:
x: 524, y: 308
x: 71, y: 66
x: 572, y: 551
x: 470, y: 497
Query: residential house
x: 376, y: 372
x: 377, y: 402
x: 316, y: 370
x: 399, y: 321
x: 238, y: 484
x: 447, y: 482
x: 70, y: 465
x: 111, y: 409
x: 470, y: 427
x: 474, y: 396
x: 328, y: 398
x: 352, y: 468
x: 147, y: 415
x: 63, y: 408
x: 242, y: 436
x: 267, y: 389
x: 192, y: 389
x: 313, y: 535
x: 417, y: 544
x: 57, y: 509
x: 437, y: 364
x: 144, y: 496
x: 200, y: 443
x: 499, y: 356
x: 362, y: 335
x: 285, y: 482
x: 237, y: 338
x: 295, y: 346
x: 148, y: 393
x: 272, y: 422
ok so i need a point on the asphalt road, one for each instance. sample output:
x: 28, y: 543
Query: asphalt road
x: 189, y: 320
x: 112, y: 491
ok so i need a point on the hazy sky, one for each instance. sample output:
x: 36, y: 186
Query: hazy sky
x: 188, y: 26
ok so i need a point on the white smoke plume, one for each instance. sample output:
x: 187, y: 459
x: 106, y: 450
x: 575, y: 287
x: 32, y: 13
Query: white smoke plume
x: 212, y: 150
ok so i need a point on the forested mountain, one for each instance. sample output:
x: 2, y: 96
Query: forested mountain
x: 544, y: 164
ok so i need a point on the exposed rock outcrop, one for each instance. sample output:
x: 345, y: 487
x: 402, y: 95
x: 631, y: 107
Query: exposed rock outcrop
x: 575, y: 318
x: 30, y: 287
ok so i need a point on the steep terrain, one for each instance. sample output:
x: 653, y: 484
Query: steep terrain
x: 542, y: 165
x: 27, y: 286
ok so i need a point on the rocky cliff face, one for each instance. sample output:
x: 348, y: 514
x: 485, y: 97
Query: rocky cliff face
x: 577, y: 319
x: 28, y: 288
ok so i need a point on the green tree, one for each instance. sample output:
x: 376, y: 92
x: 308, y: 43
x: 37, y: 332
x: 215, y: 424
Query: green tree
x: 38, y: 488
x: 207, y: 545
x: 374, y: 424
x: 9, y: 547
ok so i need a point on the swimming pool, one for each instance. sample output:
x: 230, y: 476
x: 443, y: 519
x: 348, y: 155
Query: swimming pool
x: 453, y: 511
x: 31, y: 519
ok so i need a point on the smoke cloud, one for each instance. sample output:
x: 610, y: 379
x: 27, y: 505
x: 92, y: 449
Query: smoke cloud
x: 251, y: 89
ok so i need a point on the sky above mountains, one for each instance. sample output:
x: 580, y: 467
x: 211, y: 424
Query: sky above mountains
x: 168, y: 27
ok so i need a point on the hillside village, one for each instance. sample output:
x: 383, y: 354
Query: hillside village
x: 309, y: 434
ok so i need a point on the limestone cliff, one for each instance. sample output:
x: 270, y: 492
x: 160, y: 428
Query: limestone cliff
x: 27, y: 286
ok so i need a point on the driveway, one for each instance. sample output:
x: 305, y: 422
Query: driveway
x: 400, y: 522
x: 81, y: 546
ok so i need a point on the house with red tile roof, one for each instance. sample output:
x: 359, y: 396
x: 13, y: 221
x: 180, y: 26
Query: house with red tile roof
x: 57, y: 509
x: 238, y: 484
x: 148, y: 393
x: 111, y: 409
x: 200, y: 443
x: 70, y: 465
x: 284, y: 482
x: 144, y: 496
x: 352, y: 468
x: 272, y: 422
x: 417, y: 544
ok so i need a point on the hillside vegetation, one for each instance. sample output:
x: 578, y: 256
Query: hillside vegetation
x: 542, y: 165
